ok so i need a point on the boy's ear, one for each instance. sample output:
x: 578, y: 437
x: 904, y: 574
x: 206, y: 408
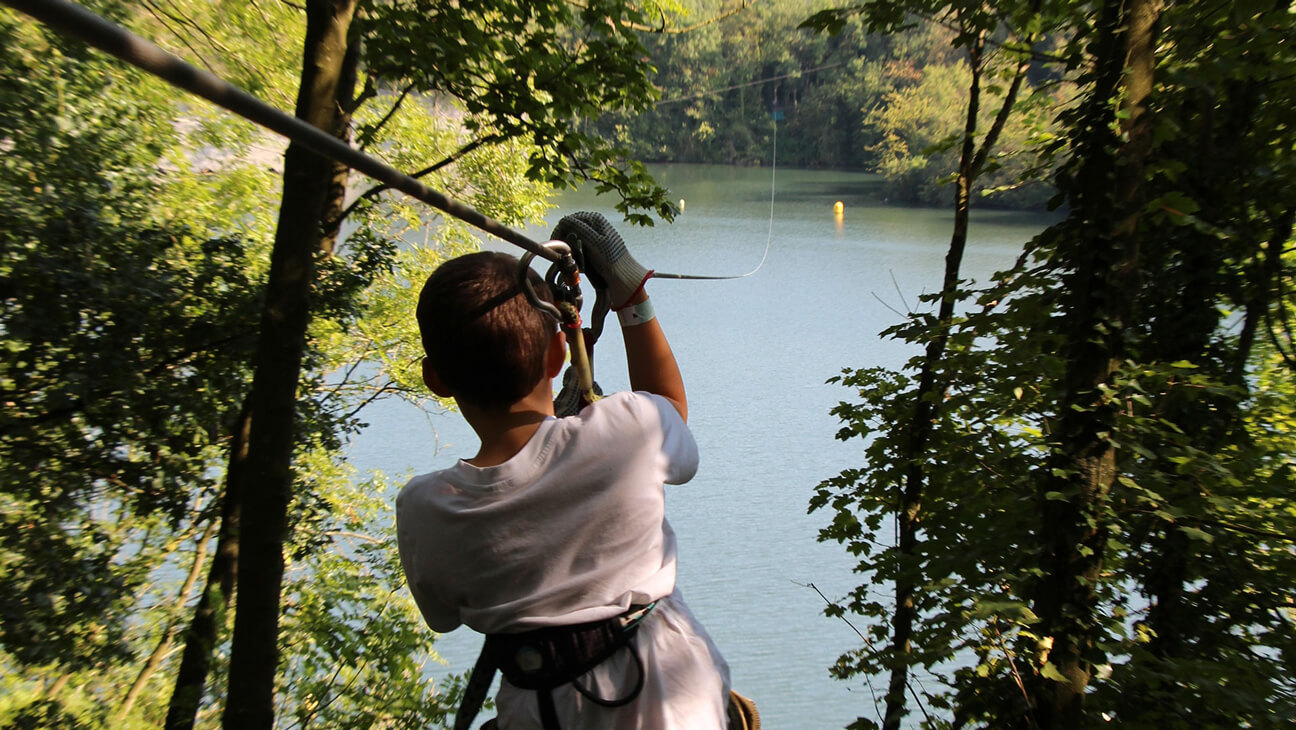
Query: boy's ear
x: 433, y: 381
x: 556, y: 356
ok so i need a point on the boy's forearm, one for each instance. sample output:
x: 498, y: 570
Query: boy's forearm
x: 651, y: 362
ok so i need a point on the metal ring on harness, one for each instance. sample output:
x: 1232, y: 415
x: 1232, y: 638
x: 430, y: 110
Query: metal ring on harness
x: 544, y: 659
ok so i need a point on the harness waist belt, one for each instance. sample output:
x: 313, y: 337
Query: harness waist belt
x: 550, y: 657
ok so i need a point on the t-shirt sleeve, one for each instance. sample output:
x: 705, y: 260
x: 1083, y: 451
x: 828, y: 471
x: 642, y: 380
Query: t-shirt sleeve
x: 678, y: 445
x: 439, y: 615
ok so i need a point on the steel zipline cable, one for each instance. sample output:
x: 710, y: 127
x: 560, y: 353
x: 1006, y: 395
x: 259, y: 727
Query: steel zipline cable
x: 77, y: 22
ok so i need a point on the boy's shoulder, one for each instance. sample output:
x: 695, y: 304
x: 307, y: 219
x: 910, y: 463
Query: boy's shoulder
x: 632, y: 412
x: 636, y: 403
x: 417, y: 484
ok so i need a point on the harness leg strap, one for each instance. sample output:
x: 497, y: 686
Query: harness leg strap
x: 479, y: 684
x: 548, y: 713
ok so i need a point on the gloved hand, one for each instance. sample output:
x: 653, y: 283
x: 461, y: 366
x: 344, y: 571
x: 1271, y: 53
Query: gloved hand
x: 602, y: 255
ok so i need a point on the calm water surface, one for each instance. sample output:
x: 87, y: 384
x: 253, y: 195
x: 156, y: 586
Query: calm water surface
x: 755, y: 354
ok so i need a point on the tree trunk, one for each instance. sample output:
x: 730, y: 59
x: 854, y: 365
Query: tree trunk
x: 204, y: 630
x: 267, y: 486
x: 1104, y: 264
x: 926, y: 407
x: 168, y: 635
x: 1264, y: 288
x: 920, y: 427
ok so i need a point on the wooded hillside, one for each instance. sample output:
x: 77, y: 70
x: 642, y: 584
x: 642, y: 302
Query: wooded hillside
x: 886, y: 103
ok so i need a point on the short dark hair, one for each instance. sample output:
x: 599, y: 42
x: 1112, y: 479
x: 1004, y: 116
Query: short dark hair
x: 481, y: 335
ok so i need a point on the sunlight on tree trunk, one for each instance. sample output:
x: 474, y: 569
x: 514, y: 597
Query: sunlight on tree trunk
x: 164, y: 643
x: 208, y: 621
x: 267, y: 489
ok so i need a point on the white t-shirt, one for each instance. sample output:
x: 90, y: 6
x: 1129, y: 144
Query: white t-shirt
x: 571, y: 529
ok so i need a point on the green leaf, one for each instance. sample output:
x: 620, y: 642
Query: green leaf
x: 1050, y: 671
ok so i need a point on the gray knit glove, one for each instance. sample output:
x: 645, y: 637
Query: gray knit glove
x: 602, y: 255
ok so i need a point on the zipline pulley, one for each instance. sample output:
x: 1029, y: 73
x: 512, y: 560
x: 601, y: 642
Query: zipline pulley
x: 563, y: 279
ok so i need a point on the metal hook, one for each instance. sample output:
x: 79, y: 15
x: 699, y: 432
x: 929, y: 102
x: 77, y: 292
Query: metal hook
x: 564, y: 253
x: 567, y: 311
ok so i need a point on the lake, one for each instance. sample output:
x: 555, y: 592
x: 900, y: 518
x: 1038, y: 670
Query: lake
x: 755, y: 354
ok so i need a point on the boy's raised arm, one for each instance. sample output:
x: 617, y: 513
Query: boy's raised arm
x: 610, y: 266
x: 649, y: 356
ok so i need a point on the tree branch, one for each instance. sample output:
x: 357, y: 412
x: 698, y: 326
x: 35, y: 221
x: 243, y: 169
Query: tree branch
x: 1000, y: 120
x: 367, y: 137
x: 455, y: 157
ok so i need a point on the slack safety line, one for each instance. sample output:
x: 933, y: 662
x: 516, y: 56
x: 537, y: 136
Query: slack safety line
x: 769, y: 236
x: 75, y: 21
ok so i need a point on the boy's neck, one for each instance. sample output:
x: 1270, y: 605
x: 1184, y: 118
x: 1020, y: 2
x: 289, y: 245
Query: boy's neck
x: 503, y: 432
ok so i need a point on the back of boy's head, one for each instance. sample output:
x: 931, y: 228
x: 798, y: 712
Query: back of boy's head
x: 481, y: 335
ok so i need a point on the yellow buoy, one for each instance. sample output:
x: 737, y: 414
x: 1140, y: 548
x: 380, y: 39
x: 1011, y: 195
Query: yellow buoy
x: 681, y: 205
x: 838, y: 208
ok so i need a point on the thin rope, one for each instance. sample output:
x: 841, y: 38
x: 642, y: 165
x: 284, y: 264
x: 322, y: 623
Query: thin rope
x: 769, y: 236
x: 757, y: 82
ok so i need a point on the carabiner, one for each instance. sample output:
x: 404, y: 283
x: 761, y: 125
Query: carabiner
x: 567, y: 293
x: 564, y: 251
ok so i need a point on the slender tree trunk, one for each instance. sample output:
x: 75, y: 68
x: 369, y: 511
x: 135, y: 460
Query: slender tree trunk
x: 266, y: 491
x: 52, y: 692
x: 204, y: 630
x: 925, y: 414
x: 1264, y: 288
x: 1104, y: 263
x: 926, y: 408
x: 335, y: 208
x: 168, y: 635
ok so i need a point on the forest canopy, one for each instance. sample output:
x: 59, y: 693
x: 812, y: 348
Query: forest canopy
x: 852, y: 99
x: 1075, y: 502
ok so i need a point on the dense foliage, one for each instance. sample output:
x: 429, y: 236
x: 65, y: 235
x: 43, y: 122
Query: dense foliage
x: 131, y: 287
x: 138, y: 230
x: 1088, y: 464
x: 127, y: 332
x: 1103, y: 526
x: 855, y: 98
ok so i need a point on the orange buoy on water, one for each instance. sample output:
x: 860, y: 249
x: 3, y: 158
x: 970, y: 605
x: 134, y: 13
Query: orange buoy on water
x: 838, y: 208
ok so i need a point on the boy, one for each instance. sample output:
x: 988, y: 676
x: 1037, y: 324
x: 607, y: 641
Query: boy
x: 552, y: 539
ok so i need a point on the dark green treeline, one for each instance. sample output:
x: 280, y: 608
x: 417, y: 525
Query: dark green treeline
x: 886, y: 103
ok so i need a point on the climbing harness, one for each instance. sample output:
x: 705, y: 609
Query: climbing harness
x: 545, y: 659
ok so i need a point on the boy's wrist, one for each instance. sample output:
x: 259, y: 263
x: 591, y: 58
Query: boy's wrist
x: 621, y: 300
x: 636, y: 312
x: 640, y: 295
